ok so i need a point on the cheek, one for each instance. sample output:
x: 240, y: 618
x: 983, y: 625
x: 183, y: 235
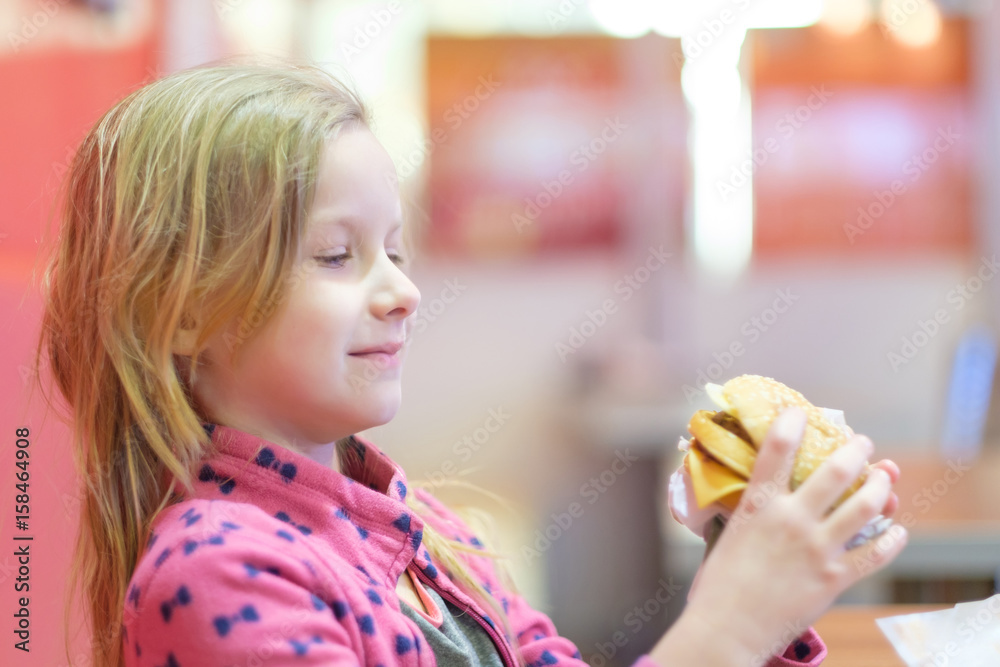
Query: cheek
x: 317, y: 328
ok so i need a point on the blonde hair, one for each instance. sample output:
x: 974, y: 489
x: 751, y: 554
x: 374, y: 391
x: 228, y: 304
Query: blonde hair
x: 169, y: 197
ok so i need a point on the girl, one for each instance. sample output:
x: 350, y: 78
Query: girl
x: 226, y: 307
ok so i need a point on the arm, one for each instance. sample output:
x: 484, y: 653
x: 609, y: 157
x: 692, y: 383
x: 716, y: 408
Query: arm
x: 235, y: 602
x: 690, y: 642
x: 780, y: 563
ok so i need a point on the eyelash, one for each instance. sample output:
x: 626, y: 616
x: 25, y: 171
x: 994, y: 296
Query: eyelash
x: 338, y: 260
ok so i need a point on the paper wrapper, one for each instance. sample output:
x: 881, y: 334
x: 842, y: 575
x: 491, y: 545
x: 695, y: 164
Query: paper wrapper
x: 966, y: 635
x: 682, y: 503
x: 707, y: 522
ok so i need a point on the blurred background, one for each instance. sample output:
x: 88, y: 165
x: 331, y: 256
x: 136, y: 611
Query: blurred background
x: 615, y: 201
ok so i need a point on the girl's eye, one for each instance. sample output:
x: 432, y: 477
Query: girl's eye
x: 340, y: 258
x: 335, y: 260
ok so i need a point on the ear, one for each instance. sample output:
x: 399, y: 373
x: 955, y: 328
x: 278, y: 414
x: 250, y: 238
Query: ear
x: 185, y: 336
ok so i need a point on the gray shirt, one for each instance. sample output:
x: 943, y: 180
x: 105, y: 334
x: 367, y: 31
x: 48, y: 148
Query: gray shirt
x: 460, y: 641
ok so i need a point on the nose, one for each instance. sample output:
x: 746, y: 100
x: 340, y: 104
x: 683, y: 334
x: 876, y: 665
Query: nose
x: 395, y: 296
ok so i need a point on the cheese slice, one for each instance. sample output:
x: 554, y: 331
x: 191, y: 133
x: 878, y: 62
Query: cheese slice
x: 722, y: 444
x: 713, y: 481
x: 732, y: 500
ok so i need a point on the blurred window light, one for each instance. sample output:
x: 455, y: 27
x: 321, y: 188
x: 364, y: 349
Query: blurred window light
x: 711, y: 17
x: 914, y: 23
x: 679, y: 19
x: 469, y: 17
x: 712, y: 89
x: 712, y: 34
x: 260, y: 26
x: 722, y: 217
x: 782, y: 13
x: 720, y: 143
x: 623, y: 18
x: 376, y: 46
x: 846, y: 17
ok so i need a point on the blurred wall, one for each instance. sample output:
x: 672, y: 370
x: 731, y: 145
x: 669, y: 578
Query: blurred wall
x: 51, y: 96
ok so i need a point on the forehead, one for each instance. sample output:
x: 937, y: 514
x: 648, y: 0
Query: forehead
x: 356, y: 186
x: 355, y: 163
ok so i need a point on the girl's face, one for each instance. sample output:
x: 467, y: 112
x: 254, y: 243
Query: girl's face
x: 327, y: 363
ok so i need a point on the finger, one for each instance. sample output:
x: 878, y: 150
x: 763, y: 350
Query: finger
x: 835, y: 475
x: 875, y: 554
x: 890, y: 468
x: 892, y: 504
x: 866, y: 503
x: 773, y: 466
x: 772, y: 469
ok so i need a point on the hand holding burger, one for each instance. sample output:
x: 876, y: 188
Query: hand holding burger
x: 720, y: 458
x: 791, y: 546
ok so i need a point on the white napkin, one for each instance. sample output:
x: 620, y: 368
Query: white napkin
x: 967, y: 634
x: 682, y: 503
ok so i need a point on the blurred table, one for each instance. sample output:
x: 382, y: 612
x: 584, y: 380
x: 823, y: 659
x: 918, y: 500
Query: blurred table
x: 854, y: 640
x: 951, y: 508
x: 945, y: 492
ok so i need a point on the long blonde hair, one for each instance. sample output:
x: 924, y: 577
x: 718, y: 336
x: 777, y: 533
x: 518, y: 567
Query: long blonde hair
x: 172, y: 194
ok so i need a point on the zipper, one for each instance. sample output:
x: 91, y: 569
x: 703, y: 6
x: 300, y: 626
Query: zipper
x: 505, y: 652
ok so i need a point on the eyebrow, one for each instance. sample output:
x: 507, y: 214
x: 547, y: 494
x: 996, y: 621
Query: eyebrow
x: 352, y: 222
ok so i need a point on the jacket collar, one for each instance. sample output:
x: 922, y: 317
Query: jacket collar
x: 364, y: 502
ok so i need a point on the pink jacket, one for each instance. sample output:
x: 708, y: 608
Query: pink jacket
x: 279, y: 560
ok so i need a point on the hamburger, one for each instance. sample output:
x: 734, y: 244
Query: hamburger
x: 720, y: 455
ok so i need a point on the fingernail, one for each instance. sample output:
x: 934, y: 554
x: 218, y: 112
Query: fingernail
x: 790, y: 424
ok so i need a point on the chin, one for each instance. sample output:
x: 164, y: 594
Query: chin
x: 381, y: 407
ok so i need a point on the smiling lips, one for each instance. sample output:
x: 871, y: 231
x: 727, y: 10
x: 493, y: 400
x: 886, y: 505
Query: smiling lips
x: 384, y: 356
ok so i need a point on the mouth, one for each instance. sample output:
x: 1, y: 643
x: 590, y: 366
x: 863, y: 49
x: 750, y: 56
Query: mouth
x: 385, y: 355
